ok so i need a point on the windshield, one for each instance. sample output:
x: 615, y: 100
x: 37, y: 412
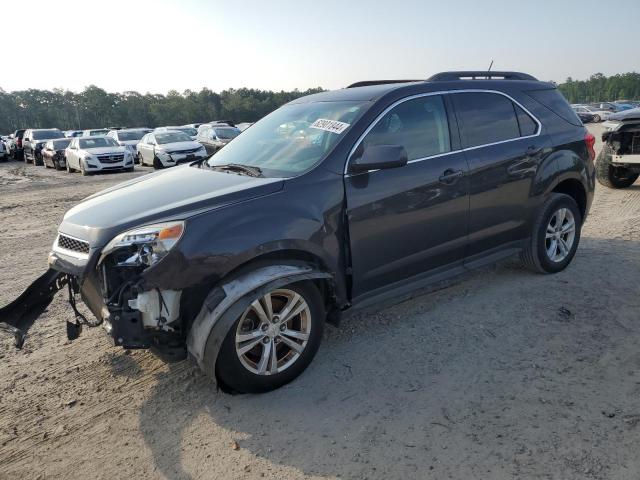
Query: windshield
x: 226, y: 133
x: 293, y: 139
x: 97, y: 142
x: 61, y: 144
x: 171, y: 137
x: 94, y: 133
x: 42, y: 134
x: 187, y: 130
x: 131, y: 135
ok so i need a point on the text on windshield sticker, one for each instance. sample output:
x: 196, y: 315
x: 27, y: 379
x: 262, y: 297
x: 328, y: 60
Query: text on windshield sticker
x: 330, y: 125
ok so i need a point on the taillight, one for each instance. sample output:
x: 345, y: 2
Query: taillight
x: 590, y: 141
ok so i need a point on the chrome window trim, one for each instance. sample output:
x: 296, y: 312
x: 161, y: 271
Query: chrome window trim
x: 70, y: 253
x: 441, y: 92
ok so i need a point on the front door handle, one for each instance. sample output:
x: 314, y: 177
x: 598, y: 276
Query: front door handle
x: 450, y: 176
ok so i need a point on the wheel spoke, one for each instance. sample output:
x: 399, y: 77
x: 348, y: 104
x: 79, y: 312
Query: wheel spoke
x: 274, y: 358
x: 293, y: 313
x: 551, y: 229
x: 560, y: 217
x: 264, y: 359
x: 552, y: 250
x: 285, y: 311
x: 268, y: 306
x: 294, y: 345
x: 295, y: 334
x: 564, y: 249
x: 246, y: 336
x: 257, y: 307
x: 245, y: 348
x: 568, y: 227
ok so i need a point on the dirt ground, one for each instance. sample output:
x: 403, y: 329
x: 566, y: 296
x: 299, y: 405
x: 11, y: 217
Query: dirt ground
x: 505, y: 374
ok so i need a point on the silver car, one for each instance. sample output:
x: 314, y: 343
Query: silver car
x: 598, y: 114
x: 129, y: 138
x: 94, y: 132
x: 168, y: 148
x: 192, y: 132
x: 97, y: 154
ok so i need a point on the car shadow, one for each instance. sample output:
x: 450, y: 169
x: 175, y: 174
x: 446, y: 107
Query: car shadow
x: 475, y: 380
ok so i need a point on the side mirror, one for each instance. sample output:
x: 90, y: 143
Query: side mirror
x: 377, y: 157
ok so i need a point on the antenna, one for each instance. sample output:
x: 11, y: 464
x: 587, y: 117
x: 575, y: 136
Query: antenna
x: 490, y: 65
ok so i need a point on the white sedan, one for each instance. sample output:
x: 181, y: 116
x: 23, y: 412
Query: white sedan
x: 97, y: 154
x: 169, y: 148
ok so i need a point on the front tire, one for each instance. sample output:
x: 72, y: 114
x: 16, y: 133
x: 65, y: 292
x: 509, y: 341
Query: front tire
x: 596, y: 118
x: 555, y: 235
x: 610, y: 175
x: 273, y: 341
x: 157, y: 164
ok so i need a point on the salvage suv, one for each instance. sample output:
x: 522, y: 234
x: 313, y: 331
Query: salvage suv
x: 381, y: 188
x: 618, y: 164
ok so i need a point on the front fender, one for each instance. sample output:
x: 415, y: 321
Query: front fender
x: 225, y: 304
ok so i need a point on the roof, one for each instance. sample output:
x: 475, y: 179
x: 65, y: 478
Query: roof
x: 631, y: 114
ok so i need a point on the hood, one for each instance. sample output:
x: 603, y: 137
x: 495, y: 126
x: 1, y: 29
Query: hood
x: 633, y: 114
x: 104, y: 150
x: 173, y: 194
x: 170, y: 147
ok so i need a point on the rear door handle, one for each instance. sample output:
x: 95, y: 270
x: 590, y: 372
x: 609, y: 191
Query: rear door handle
x: 450, y: 176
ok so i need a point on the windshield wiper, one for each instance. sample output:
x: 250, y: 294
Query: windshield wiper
x: 237, y: 167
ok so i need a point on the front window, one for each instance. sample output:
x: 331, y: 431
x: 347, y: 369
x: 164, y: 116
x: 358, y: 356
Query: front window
x: 192, y: 132
x: 226, y: 133
x: 42, y: 134
x: 293, y: 139
x: 60, y: 144
x: 86, y: 143
x: 171, y: 137
x: 94, y: 133
x: 130, y: 135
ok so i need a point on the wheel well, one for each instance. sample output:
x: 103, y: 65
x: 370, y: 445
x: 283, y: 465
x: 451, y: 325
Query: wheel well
x: 575, y: 190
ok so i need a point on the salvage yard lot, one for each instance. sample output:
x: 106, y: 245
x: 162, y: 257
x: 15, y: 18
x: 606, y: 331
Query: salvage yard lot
x: 503, y: 374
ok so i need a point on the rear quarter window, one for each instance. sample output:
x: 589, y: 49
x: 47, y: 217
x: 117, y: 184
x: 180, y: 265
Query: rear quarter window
x: 555, y: 101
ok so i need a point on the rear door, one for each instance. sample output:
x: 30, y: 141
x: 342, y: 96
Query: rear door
x: 412, y: 219
x: 504, y: 147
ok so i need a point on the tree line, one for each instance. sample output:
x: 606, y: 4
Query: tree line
x: 624, y: 86
x: 95, y: 108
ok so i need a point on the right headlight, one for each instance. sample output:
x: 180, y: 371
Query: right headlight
x: 148, y: 244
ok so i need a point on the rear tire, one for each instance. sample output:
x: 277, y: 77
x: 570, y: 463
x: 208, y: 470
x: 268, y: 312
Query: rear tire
x: 535, y: 255
x: 611, y: 176
x: 596, y: 119
x: 235, y: 374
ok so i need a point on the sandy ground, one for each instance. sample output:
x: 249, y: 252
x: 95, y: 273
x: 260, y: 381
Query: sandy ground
x: 504, y: 374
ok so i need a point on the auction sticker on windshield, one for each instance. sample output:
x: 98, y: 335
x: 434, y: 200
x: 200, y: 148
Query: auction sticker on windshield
x: 330, y: 125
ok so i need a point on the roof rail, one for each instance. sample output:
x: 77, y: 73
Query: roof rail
x: 479, y: 75
x: 367, y: 83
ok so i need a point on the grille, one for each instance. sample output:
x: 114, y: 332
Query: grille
x: 191, y: 150
x: 72, y: 244
x: 110, y: 158
x: 635, y: 144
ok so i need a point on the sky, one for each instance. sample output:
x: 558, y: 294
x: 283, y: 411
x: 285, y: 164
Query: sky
x: 157, y: 46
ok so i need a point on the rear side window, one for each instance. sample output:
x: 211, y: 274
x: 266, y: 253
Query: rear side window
x: 419, y: 125
x: 554, y: 101
x: 485, y: 118
x: 527, y: 125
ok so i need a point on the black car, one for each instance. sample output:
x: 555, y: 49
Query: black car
x: 34, y: 140
x: 585, y: 117
x: 53, y: 153
x: 332, y: 203
x: 15, y: 146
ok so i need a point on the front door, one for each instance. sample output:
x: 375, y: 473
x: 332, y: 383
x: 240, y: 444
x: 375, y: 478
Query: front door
x: 409, y: 220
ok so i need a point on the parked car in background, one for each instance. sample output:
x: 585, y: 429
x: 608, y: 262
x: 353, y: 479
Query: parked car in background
x: 3, y: 151
x: 618, y: 164
x: 53, y: 153
x: 215, y: 136
x: 585, y: 117
x: 243, y: 126
x: 91, y: 154
x: 15, y: 144
x: 72, y: 133
x: 34, y: 140
x: 190, y: 131
x: 193, y: 125
x: 129, y: 138
x: 598, y: 114
x: 95, y: 132
x: 168, y: 148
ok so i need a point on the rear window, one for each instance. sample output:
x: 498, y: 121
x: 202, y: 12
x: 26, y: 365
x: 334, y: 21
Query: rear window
x: 85, y: 142
x: 94, y: 133
x: 61, y: 144
x: 485, y: 118
x: 42, y: 134
x: 131, y: 135
x: 554, y: 101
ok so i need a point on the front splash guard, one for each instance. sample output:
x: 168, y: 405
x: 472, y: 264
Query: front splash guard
x: 18, y: 316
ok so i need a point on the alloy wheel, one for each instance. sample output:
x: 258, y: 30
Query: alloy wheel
x: 273, y: 332
x: 560, y: 235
